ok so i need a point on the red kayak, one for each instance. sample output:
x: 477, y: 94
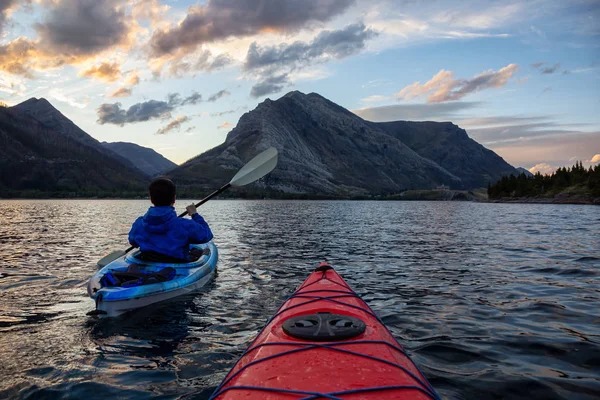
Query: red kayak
x: 325, y: 342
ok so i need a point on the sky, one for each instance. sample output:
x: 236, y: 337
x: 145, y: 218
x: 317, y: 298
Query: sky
x: 522, y: 77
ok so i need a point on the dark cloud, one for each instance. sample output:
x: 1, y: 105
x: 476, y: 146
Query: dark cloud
x: 83, y: 27
x: 173, y: 125
x: 221, y: 113
x: 193, y: 99
x: 220, y: 61
x: 145, y: 111
x: 226, y: 112
x: 270, y: 84
x: 416, y: 112
x: 5, y: 6
x: 550, y: 70
x: 327, y: 45
x: 221, y: 19
x: 140, y: 112
x: 218, y: 95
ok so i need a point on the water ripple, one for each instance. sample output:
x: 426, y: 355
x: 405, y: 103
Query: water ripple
x: 491, y: 300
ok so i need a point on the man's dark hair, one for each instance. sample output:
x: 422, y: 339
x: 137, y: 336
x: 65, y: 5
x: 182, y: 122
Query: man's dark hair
x: 162, y: 191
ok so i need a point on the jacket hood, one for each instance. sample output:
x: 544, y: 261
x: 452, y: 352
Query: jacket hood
x: 157, y: 218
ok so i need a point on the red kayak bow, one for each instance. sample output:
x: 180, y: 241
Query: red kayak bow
x: 325, y: 342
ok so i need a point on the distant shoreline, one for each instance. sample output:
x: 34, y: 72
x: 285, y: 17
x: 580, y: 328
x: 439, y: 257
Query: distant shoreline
x: 524, y: 200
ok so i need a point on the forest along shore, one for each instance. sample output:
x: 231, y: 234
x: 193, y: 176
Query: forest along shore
x: 575, y: 185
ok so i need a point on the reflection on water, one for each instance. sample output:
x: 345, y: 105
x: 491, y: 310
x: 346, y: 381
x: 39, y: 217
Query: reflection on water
x: 491, y: 300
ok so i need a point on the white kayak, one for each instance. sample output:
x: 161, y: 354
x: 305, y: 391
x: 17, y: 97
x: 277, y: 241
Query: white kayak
x: 113, y: 300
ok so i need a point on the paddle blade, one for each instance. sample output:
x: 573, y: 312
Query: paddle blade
x: 256, y: 168
x: 107, y: 259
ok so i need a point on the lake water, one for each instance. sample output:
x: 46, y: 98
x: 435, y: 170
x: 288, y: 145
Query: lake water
x: 491, y: 300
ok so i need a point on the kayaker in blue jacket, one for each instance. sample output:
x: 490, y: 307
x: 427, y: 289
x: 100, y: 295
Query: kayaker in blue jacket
x: 160, y: 232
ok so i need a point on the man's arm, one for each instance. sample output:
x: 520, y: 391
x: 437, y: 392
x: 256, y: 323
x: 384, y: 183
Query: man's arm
x: 132, y: 234
x: 199, y: 232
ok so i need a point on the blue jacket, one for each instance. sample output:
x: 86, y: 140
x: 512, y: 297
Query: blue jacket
x: 162, y: 232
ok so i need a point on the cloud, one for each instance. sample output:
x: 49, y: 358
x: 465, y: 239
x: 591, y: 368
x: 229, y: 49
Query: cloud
x: 543, y: 168
x: 193, y: 99
x: 221, y: 113
x: 535, y: 143
x: 72, y: 32
x: 59, y: 95
x: 595, y: 159
x: 222, y: 19
x: 121, y: 92
x: 547, y: 70
x: 84, y: 27
x: 144, y: 111
x: 225, y: 125
x: 150, y: 10
x: 218, y: 95
x: 375, y: 83
x: 132, y: 79
x: 374, y: 99
x: 550, y: 70
x: 189, y: 63
x: 108, y: 72
x: 271, y: 84
x: 327, y: 45
x: 276, y: 65
x: 22, y: 56
x: 415, y: 112
x: 173, y: 125
x: 140, y: 112
x: 444, y: 87
x: 6, y: 7
x: 226, y: 112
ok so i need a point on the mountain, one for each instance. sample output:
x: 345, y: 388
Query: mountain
x: 326, y: 149
x: 41, y: 157
x: 522, y: 170
x: 44, y: 112
x: 144, y: 159
x: 451, y: 148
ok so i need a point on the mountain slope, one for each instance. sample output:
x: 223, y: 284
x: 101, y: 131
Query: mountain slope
x: 144, y: 159
x: 450, y: 147
x: 35, y: 158
x: 44, y: 112
x: 324, y: 149
x: 522, y: 170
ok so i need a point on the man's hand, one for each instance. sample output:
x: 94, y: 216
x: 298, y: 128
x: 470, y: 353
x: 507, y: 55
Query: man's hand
x: 191, y: 209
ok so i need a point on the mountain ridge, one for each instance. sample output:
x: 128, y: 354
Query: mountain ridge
x: 326, y: 149
x: 145, y: 159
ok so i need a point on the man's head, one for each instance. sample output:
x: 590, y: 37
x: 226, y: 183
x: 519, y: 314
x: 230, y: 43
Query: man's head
x: 162, y: 192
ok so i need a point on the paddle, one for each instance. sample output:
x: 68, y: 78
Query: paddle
x: 255, y: 169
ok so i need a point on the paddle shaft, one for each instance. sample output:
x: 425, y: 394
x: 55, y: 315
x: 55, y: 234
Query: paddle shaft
x: 207, y: 198
x: 204, y: 200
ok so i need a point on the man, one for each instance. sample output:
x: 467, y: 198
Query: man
x: 159, y: 234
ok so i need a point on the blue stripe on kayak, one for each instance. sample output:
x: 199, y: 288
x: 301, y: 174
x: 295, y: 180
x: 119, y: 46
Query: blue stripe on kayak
x: 314, y: 395
x: 329, y: 346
